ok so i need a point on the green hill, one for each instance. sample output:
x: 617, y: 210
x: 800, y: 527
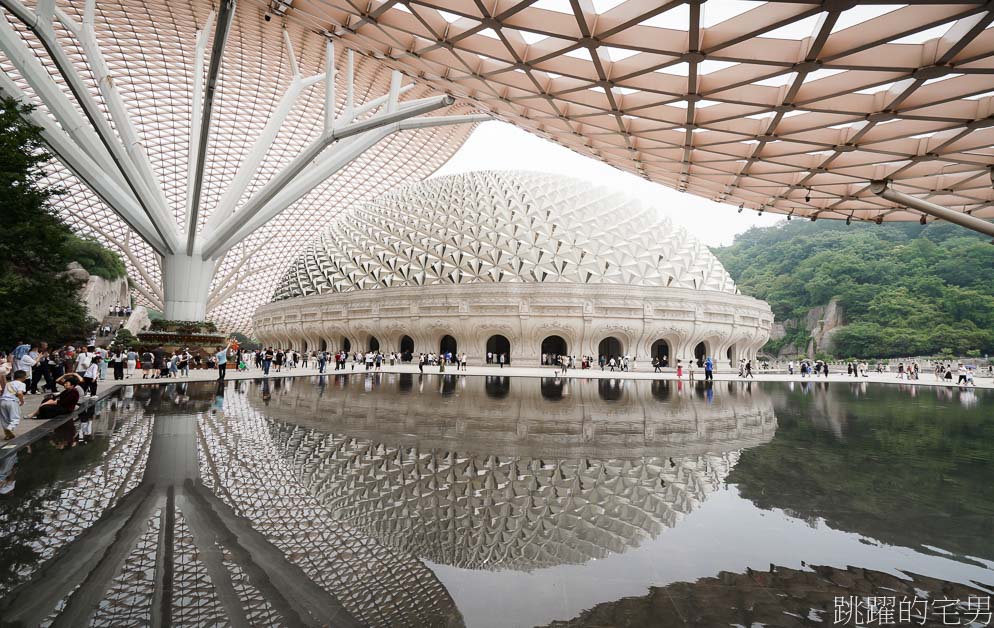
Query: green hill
x: 905, y: 289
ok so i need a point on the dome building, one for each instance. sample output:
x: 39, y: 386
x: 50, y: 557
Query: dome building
x: 517, y: 263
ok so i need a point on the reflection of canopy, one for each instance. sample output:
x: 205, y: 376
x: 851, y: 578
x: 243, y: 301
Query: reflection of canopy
x: 737, y: 101
x: 779, y: 597
x: 512, y: 483
x: 192, y: 507
x: 545, y: 417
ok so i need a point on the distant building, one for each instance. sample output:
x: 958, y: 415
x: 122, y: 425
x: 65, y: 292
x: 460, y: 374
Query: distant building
x: 524, y: 264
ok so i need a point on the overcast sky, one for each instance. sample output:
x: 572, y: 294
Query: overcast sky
x: 500, y: 146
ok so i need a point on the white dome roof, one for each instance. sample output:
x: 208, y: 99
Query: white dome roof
x: 506, y: 227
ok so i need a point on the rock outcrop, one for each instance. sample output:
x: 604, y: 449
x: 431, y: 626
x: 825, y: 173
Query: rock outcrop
x: 99, y: 294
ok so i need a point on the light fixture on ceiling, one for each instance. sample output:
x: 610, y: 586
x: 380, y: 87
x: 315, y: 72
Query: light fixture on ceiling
x: 741, y: 207
x: 807, y: 197
x: 922, y: 220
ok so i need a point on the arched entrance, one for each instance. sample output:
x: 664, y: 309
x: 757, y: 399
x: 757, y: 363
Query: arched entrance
x: 553, y: 346
x: 499, y: 345
x: 661, y: 351
x: 447, y: 345
x: 373, y: 344
x: 700, y: 352
x: 406, y: 347
x: 610, y: 389
x: 730, y: 355
x: 346, y: 344
x: 553, y: 388
x: 497, y: 387
x: 324, y: 345
x: 610, y: 347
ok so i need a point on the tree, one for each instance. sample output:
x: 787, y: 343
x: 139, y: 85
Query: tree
x: 39, y: 300
x: 906, y: 289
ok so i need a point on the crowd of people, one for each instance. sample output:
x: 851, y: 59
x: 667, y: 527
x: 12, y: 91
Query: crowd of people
x: 72, y: 372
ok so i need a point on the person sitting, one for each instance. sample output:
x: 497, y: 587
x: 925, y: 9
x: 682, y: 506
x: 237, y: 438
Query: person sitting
x: 64, y: 403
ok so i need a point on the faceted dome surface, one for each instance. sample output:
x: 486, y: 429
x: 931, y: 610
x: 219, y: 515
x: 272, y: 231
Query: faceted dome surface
x: 502, y: 227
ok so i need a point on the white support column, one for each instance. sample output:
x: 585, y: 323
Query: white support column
x: 196, y: 112
x: 225, y: 15
x: 395, y: 77
x: 330, y: 102
x: 349, y: 113
x: 186, y: 283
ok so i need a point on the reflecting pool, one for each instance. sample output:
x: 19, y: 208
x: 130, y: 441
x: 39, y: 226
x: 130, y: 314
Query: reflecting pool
x: 446, y: 500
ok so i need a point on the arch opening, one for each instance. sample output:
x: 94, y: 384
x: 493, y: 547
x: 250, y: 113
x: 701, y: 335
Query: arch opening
x: 661, y: 351
x: 700, y: 352
x: 447, y: 345
x: 346, y: 344
x: 497, y: 387
x: 373, y: 344
x: 610, y: 347
x: 324, y: 345
x: 406, y: 348
x: 552, y: 348
x: 498, y: 345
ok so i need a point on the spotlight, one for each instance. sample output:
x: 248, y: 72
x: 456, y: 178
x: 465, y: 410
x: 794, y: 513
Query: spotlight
x: 807, y: 197
x: 922, y: 220
x: 790, y: 215
x: 760, y: 211
x: 267, y: 17
x: 848, y: 220
x: 879, y: 220
x: 814, y: 217
x: 741, y: 207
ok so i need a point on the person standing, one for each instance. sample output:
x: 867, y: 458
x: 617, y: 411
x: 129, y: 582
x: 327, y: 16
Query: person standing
x: 222, y: 361
x: 117, y: 360
x: 10, y: 403
x: 708, y: 369
x: 90, y: 377
x: 267, y: 361
x: 131, y: 361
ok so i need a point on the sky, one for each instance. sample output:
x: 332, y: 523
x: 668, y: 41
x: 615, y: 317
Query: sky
x: 501, y: 146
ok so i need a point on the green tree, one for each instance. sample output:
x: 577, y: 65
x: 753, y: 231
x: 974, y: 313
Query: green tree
x: 40, y: 301
x: 906, y: 289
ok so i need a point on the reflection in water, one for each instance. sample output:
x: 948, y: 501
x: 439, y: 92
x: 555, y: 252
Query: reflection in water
x: 390, y: 500
x: 781, y: 596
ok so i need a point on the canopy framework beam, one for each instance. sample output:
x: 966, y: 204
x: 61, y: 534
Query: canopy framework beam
x: 884, y: 189
x: 88, y: 170
x: 235, y: 227
x: 226, y: 14
x: 42, y: 26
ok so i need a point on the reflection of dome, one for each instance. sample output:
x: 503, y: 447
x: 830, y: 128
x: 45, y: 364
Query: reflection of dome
x: 502, y: 227
x: 497, y: 512
x: 474, y: 477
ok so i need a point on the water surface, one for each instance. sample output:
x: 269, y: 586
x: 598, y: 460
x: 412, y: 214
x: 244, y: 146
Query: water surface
x: 396, y: 499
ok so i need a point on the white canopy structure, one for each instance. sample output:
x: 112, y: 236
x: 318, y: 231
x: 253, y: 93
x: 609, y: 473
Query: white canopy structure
x: 205, y: 143
x: 184, y: 129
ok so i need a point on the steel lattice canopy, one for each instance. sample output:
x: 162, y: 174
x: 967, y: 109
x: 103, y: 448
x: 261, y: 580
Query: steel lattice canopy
x: 787, y: 106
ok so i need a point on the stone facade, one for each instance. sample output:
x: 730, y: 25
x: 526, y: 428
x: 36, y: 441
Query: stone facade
x: 728, y: 326
x: 523, y: 263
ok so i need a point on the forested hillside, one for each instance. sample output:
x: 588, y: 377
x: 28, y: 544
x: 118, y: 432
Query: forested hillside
x: 906, y: 289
